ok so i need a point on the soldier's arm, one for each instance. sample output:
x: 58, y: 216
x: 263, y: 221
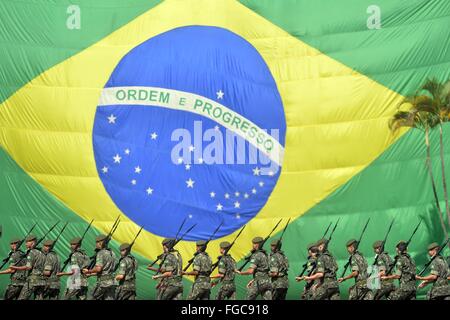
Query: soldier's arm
x: 250, y: 270
x: 320, y: 270
x: 121, y: 271
x: 7, y: 271
x: 152, y: 268
x: 315, y: 276
x: 28, y: 266
x: 22, y: 268
x: 354, y: 274
x: 429, y: 278
x: 97, y: 268
x: 190, y: 273
x: 195, y: 268
x: 221, y: 271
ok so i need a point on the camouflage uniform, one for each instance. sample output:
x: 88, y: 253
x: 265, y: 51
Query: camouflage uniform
x: 105, y: 287
x: 226, y: 267
x: 77, y: 285
x: 328, y: 287
x: 278, y: 262
x: 18, y: 278
x: 359, y: 291
x: 261, y: 284
x: 52, y: 265
x: 310, y: 266
x: 439, y: 268
x: 201, y: 288
x: 126, y: 290
x: 383, y: 263
x: 171, y: 288
x: 35, y: 283
x: 406, y: 269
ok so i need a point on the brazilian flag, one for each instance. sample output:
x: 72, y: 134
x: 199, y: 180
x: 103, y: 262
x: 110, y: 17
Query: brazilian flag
x: 123, y: 108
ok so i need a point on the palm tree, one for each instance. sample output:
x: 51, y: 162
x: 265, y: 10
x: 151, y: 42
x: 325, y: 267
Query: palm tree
x: 438, y: 100
x: 419, y: 115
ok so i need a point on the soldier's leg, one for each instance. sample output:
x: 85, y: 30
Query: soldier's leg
x: 125, y: 294
x: 26, y: 292
x: 252, y: 292
x: 97, y: 293
x: 399, y: 294
x: 368, y: 295
x: 54, y: 294
x: 194, y: 293
x: 319, y: 293
x: 71, y: 294
x: 352, y: 293
x: 170, y: 293
x: 279, y: 294
x: 204, y: 294
x: 38, y: 292
x: 12, y: 292
x: 283, y: 293
x: 110, y: 293
x: 221, y: 294
x: 82, y: 293
x: 266, y: 294
x: 179, y: 295
x: 334, y: 294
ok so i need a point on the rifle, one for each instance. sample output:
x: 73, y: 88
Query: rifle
x: 171, y: 247
x: 82, y: 238
x: 359, y: 241
x: 332, y: 231
x: 159, y: 257
x: 305, y: 265
x: 282, y: 234
x: 214, y: 266
x: 247, y: 259
x: 210, y: 238
x: 407, y: 244
x: 37, y: 243
x: 434, y: 257
x: 107, y: 240
x: 375, y: 262
x: 60, y: 233
x: 326, y: 230
x: 129, y: 250
x: 19, y: 244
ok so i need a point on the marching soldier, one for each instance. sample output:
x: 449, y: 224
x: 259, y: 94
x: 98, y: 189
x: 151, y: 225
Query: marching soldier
x: 52, y: 267
x: 259, y: 268
x: 77, y: 286
x: 310, y: 266
x: 35, y: 259
x: 405, y: 273
x: 383, y: 263
x: 438, y: 276
x: 202, y: 264
x: 327, y: 287
x: 226, y: 274
x: 279, y: 266
x: 171, y: 279
x: 105, y: 287
x: 18, y: 278
x: 126, y: 274
x: 358, y: 265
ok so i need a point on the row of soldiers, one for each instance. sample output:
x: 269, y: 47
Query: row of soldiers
x: 36, y: 273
